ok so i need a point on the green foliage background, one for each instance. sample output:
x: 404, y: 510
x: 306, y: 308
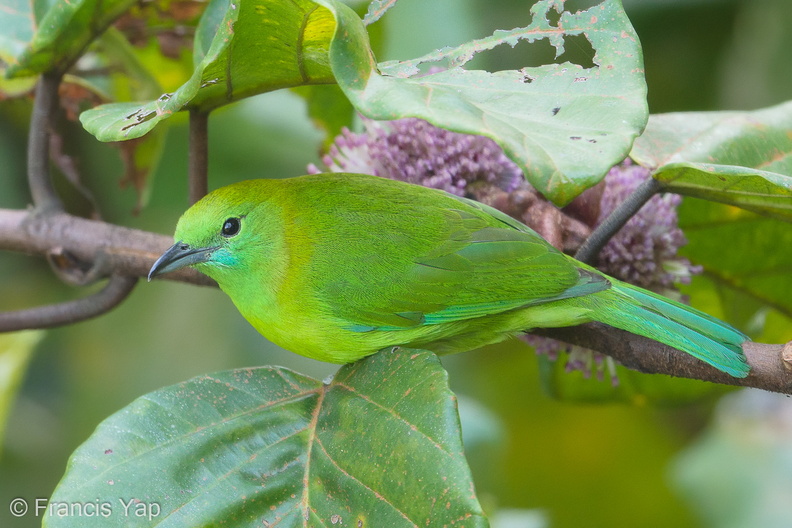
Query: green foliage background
x: 583, y: 465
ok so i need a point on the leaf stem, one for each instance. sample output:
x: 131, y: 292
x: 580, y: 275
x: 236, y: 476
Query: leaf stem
x: 198, y: 163
x: 590, y: 249
x: 42, y: 120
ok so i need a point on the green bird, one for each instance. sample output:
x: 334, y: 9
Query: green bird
x: 338, y: 266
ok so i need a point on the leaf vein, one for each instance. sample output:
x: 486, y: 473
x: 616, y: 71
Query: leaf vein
x: 352, y: 477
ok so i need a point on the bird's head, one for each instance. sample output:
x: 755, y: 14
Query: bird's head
x: 220, y: 233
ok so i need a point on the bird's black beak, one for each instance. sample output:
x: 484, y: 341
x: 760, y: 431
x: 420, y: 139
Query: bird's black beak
x: 178, y: 256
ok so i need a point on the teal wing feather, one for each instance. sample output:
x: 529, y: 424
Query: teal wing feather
x: 682, y: 327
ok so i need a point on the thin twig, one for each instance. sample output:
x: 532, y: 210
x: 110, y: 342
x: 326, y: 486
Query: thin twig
x: 116, y: 290
x: 44, y: 196
x: 198, y: 162
x: 599, y: 237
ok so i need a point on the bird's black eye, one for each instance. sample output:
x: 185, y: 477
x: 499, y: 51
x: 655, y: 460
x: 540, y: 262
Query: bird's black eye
x: 230, y: 227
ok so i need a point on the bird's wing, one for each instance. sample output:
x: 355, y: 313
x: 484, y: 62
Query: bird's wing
x: 477, y: 262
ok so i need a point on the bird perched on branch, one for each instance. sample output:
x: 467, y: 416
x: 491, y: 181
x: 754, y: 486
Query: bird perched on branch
x: 338, y: 266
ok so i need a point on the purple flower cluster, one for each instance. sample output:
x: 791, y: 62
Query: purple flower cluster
x: 415, y: 151
x: 643, y: 252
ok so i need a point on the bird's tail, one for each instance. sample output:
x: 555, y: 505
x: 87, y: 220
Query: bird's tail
x: 682, y: 327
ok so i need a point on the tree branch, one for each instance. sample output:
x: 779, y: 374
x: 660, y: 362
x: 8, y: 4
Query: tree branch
x: 589, y: 250
x: 116, y: 290
x: 103, y: 248
x: 771, y: 365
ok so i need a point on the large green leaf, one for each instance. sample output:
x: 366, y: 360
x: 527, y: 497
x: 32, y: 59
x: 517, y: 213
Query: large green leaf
x: 379, y: 445
x: 64, y: 32
x: 739, y: 158
x: 740, y: 250
x: 765, y: 192
x: 16, y: 350
x: 255, y: 46
x: 565, y: 124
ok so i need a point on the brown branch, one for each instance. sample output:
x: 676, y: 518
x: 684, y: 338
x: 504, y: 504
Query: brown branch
x: 103, y: 248
x: 43, y: 193
x: 769, y: 368
x: 116, y: 290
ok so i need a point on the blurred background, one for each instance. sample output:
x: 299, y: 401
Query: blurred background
x: 721, y: 461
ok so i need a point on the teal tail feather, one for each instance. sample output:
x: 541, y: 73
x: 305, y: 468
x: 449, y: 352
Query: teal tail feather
x: 677, y: 325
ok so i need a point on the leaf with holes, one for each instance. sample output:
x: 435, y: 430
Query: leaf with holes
x: 738, y: 158
x: 565, y: 124
x: 379, y: 445
x: 242, y: 48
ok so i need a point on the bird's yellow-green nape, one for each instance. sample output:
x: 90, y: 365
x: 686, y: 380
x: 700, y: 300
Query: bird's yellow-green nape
x: 338, y: 266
